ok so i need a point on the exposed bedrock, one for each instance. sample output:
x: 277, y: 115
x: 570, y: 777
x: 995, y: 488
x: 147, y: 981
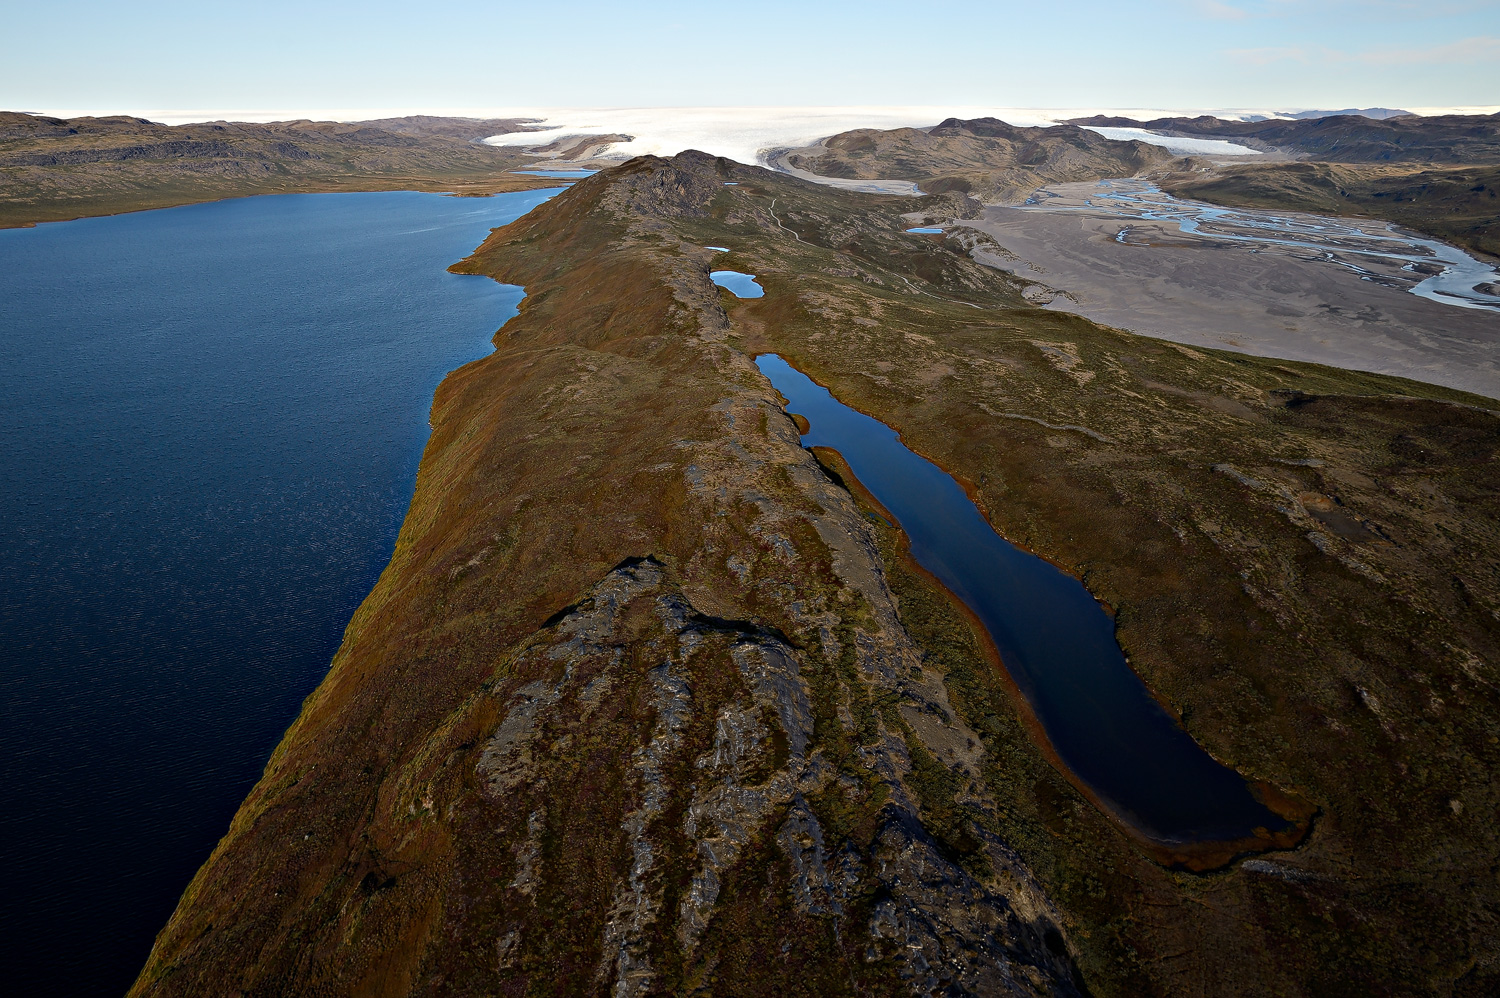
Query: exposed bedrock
x: 647, y: 702
x: 631, y: 711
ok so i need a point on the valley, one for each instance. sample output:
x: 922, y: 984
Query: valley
x: 651, y: 698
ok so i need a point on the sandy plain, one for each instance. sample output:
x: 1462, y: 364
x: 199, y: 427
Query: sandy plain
x: 1256, y: 297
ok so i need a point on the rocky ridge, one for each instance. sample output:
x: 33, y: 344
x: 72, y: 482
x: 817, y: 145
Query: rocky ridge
x: 54, y: 168
x: 698, y: 771
x: 1300, y: 560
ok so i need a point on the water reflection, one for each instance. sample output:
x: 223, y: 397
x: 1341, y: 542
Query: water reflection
x: 1056, y: 641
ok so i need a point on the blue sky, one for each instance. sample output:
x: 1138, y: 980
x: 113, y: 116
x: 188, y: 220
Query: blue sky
x: 376, y: 54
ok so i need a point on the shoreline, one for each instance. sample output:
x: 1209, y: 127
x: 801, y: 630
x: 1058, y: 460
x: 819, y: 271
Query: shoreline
x: 1197, y: 857
x: 8, y: 220
x: 347, y: 322
x: 1218, y: 294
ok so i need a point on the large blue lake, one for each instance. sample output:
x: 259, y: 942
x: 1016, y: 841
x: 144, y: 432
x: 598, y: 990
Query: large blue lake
x: 212, y: 418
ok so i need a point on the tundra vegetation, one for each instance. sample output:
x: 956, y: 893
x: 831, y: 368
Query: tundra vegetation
x: 53, y: 169
x: 651, y: 700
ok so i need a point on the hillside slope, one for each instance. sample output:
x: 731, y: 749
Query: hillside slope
x: 985, y: 157
x: 649, y: 702
x: 52, y: 169
x: 1344, y: 138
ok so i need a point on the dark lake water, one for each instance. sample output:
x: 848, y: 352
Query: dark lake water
x: 1055, y: 639
x: 212, y: 417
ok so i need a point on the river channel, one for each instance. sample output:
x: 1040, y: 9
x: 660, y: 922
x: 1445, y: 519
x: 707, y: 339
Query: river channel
x: 1054, y: 638
x: 1376, y: 251
x: 1350, y: 293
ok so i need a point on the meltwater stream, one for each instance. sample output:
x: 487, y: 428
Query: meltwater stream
x: 1428, y: 268
x: 1055, y: 639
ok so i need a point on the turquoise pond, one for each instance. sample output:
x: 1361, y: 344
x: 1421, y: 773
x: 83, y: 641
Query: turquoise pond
x: 738, y: 284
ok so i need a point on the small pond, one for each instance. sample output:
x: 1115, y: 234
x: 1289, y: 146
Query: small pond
x: 740, y: 285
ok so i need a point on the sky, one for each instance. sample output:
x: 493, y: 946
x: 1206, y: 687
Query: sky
x: 374, y: 55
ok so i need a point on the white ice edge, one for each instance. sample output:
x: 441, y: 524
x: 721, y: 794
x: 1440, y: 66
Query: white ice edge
x: 748, y: 134
x: 1176, y: 144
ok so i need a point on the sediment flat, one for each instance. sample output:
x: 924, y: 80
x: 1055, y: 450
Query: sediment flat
x: 1260, y: 299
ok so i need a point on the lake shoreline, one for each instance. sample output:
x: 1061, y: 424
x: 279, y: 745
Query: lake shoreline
x: 1201, y: 856
x: 233, y: 486
x: 12, y: 218
x: 1194, y: 857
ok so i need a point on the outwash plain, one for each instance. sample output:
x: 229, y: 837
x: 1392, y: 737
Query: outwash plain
x: 652, y: 700
x: 1230, y: 286
x: 1235, y: 282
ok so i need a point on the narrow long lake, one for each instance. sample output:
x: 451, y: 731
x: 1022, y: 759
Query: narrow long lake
x: 213, y: 417
x: 1055, y: 639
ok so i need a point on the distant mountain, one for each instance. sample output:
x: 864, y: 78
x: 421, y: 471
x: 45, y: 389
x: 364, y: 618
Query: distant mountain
x: 52, y: 168
x: 1344, y: 138
x: 986, y: 157
x: 1379, y: 113
x: 1458, y: 204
